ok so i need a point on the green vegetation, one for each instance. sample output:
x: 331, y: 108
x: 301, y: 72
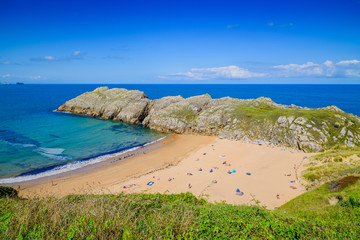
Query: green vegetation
x: 184, y: 114
x: 338, y: 151
x: 8, y: 192
x: 273, y: 113
x: 319, y: 207
x: 161, y: 216
x: 255, y: 116
x: 335, y: 162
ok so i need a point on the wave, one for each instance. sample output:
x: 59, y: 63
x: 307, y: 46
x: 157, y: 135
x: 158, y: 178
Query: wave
x: 53, y: 153
x: 25, y: 145
x: 157, y: 140
x: 66, y: 167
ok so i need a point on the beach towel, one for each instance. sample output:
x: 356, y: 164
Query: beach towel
x: 150, y: 183
x: 240, y: 193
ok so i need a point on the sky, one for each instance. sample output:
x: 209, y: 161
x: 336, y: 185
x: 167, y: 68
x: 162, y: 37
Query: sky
x: 172, y: 41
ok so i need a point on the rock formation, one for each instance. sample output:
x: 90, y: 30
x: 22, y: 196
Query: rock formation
x: 243, y: 119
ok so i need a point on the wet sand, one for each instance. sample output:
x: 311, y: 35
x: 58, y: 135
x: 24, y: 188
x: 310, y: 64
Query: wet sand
x: 262, y: 173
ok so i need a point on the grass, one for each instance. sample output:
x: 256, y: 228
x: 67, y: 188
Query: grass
x: 161, y: 216
x: 338, y: 151
x: 263, y: 114
x: 332, y: 164
x: 184, y: 114
x: 341, y: 218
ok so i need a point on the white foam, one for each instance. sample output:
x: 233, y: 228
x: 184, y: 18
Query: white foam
x: 146, y: 144
x: 52, y: 151
x: 69, y: 166
x: 26, y: 145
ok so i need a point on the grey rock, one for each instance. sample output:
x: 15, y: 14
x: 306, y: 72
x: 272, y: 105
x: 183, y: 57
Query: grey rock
x: 343, y: 132
x: 300, y: 121
x: 245, y: 119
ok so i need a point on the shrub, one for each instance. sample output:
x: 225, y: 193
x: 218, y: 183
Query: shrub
x: 350, y: 202
x: 8, y: 192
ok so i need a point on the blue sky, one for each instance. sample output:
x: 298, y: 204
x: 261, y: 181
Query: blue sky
x: 180, y: 41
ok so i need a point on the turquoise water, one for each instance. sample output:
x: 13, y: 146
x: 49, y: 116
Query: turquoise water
x: 36, y: 141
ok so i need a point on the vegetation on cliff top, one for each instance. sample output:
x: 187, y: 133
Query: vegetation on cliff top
x: 244, y: 119
x: 332, y: 164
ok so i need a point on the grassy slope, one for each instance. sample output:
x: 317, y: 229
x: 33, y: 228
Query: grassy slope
x: 149, y: 216
x: 314, y: 206
x: 331, y: 164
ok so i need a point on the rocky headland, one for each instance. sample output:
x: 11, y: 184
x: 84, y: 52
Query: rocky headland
x: 310, y: 130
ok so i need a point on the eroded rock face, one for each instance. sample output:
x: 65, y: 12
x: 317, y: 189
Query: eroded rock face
x: 244, y: 119
x: 117, y: 104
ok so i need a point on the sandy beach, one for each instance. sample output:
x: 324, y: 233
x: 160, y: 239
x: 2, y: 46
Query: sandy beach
x: 209, y: 167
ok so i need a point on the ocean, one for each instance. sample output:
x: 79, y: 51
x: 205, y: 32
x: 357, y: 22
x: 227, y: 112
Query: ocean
x: 36, y: 141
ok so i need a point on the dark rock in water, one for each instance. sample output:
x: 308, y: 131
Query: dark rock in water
x: 343, y: 183
x: 53, y: 135
x: 242, y: 119
x: 16, y: 138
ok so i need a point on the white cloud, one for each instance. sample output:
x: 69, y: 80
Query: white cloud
x: 232, y: 26
x: 232, y: 72
x: 23, y: 77
x: 75, y: 55
x: 6, y: 76
x: 352, y: 72
x: 348, y: 62
x: 346, y: 68
x: 308, y: 68
x: 50, y: 58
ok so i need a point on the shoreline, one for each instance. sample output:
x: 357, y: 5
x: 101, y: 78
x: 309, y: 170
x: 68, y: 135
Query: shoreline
x: 105, y: 161
x: 206, y: 166
x: 98, y: 177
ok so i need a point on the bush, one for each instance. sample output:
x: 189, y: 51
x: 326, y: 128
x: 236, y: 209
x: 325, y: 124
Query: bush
x: 351, y: 202
x: 8, y: 192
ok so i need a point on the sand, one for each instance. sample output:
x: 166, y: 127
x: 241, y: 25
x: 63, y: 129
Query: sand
x: 180, y: 159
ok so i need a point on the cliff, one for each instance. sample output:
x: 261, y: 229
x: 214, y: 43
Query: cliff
x: 244, y: 119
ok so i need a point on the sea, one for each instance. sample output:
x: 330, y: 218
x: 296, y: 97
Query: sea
x: 37, y: 141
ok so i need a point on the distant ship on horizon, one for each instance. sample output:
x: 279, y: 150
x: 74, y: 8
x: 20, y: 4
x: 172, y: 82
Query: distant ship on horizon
x: 6, y: 83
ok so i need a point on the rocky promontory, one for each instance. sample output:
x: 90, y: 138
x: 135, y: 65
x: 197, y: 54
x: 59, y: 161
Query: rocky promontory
x: 243, y: 119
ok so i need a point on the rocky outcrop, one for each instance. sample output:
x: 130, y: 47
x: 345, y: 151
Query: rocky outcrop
x: 244, y: 119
